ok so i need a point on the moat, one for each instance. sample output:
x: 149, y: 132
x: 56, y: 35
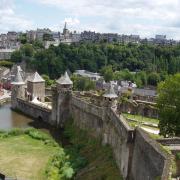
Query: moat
x: 11, y: 119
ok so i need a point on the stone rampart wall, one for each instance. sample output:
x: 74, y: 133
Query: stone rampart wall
x: 33, y: 110
x: 169, y: 141
x: 137, y: 155
x: 149, y: 160
x: 86, y: 116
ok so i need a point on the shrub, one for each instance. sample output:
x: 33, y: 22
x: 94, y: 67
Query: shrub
x: 178, y: 156
x: 59, y: 167
x: 35, y: 134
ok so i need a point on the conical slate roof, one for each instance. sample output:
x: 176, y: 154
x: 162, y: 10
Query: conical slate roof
x: 65, y: 79
x: 18, y: 79
x: 110, y: 92
x: 36, y: 78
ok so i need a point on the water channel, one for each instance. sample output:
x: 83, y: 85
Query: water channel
x: 10, y: 119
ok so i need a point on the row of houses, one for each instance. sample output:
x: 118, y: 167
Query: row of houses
x: 120, y: 87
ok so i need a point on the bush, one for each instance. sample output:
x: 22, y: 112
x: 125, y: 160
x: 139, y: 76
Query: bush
x: 178, y: 156
x: 15, y: 132
x: 35, y: 134
x: 59, y: 167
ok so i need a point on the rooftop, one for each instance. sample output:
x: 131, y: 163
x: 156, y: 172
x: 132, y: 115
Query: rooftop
x: 65, y: 80
x: 18, y: 79
x: 35, y: 78
x: 87, y: 73
x: 110, y: 93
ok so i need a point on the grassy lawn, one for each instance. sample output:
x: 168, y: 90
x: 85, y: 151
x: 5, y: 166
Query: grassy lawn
x: 24, y: 157
x: 141, y: 119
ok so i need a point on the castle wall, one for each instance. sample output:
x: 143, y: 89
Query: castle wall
x: 137, y: 155
x: 149, y: 160
x: 33, y: 110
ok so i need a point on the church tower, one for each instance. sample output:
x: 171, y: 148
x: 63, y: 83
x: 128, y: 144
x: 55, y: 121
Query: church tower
x: 61, y: 100
x: 66, y: 32
x: 18, y: 89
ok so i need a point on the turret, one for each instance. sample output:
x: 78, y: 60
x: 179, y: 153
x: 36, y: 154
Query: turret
x: 110, y: 96
x: 61, y: 96
x: 36, y: 87
x: 64, y: 83
x: 17, y: 89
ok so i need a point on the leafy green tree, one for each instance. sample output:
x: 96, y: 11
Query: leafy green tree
x: 27, y: 50
x: 106, y: 57
x: 153, y: 79
x: 48, y: 81
x: 107, y: 73
x: 16, y: 56
x: 5, y: 63
x: 47, y: 37
x: 168, y: 103
x: 82, y: 83
x: 23, y: 38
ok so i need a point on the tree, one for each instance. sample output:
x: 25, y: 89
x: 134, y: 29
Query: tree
x: 168, y: 103
x: 27, y: 50
x: 47, y: 37
x: 48, y: 81
x: 82, y: 83
x: 107, y: 73
x: 16, y: 56
x: 153, y: 79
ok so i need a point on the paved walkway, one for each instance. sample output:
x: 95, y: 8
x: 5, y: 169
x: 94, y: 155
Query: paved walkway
x: 151, y: 130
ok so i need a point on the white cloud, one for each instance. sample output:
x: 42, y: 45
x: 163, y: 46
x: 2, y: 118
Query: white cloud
x: 71, y: 21
x: 157, y: 16
x: 9, y: 20
x: 144, y: 17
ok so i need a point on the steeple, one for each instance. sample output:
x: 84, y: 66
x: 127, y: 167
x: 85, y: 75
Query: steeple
x: 65, y: 25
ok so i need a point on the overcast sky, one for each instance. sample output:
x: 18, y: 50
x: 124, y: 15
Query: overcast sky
x: 143, y: 17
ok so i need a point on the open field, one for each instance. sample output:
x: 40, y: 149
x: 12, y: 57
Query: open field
x: 24, y: 157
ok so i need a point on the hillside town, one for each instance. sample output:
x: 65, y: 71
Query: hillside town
x: 12, y: 40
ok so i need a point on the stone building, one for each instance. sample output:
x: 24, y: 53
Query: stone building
x: 5, y: 54
x: 36, y: 87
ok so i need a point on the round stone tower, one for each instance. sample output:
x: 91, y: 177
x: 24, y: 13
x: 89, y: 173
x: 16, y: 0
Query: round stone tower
x: 18, y: 89
x: 61, y: 96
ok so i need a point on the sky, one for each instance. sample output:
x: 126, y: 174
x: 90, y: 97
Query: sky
x: 143, y: 17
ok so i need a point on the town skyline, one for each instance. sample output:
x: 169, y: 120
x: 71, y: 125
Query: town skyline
x: 125, y: 17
